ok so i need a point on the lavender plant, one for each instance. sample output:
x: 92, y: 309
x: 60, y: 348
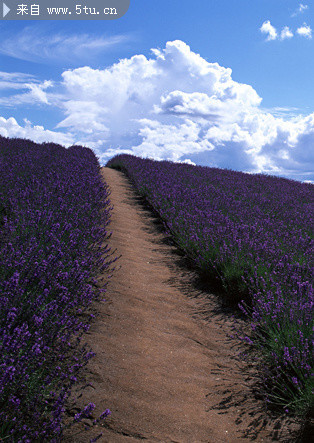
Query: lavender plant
x: 254, y: 233
x: 54, y: 216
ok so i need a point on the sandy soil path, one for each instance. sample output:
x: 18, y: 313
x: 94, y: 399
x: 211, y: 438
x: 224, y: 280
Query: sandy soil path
x: 160, y: 365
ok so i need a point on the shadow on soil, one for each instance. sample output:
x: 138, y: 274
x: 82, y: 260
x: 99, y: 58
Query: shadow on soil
x: 222, y: 309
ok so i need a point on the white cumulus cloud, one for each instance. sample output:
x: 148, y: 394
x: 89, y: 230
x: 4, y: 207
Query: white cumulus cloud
x: 305, y: 31
x: 10, y: 128
x: 270, y: 30
x: 286, y: 33
x: 175, y: 105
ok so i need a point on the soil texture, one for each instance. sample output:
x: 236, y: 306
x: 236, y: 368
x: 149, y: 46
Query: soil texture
x: 164, y: 363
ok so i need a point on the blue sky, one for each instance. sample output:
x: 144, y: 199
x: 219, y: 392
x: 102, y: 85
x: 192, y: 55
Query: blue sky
x: 224, y: 83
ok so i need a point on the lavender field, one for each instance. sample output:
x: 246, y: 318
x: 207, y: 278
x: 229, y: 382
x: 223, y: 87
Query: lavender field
x: 54, y: 215
x: 253, y: 234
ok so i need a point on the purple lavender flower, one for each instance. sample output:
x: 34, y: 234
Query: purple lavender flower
x: 54, y: 213
x: 253, y: 236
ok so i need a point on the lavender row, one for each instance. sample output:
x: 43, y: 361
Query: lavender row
x: 54, y: 215
x: 255, y: 234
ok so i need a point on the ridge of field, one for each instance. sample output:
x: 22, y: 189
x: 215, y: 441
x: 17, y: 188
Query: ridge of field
x: 54, y: 213
x: 254, y: 235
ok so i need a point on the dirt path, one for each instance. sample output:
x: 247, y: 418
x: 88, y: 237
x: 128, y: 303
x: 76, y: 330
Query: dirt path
x: 160, y: 366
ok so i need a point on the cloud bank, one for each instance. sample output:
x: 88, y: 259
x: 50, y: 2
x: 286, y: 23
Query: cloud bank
x: 286, y: 33
x: 10, y: 128
x: 174, y: 105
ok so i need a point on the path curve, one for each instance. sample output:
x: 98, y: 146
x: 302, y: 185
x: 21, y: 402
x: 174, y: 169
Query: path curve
x: 159, y: 365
